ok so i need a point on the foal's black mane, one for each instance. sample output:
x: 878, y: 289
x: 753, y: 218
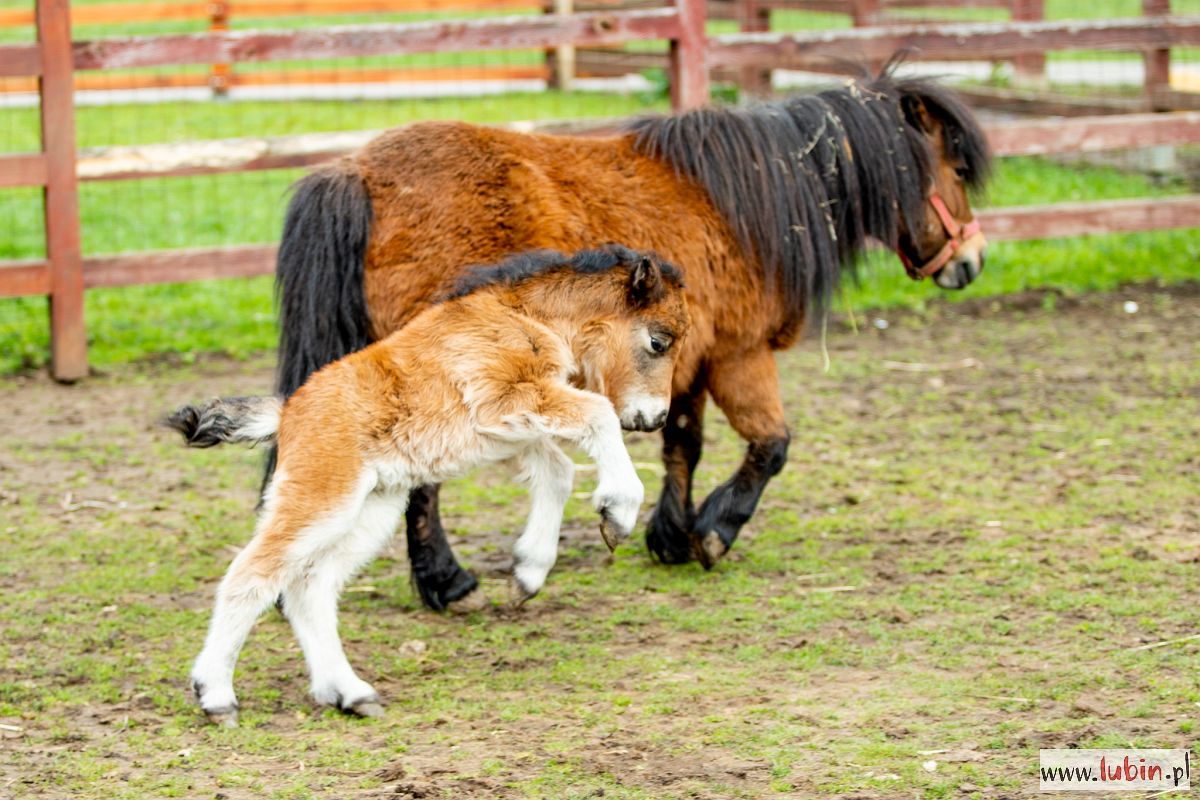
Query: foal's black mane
x: 521, y: 267
x: 804, y: 181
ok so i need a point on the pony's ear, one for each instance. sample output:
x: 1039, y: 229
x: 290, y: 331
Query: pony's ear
x: 645, y: 282
x: 916, y: 113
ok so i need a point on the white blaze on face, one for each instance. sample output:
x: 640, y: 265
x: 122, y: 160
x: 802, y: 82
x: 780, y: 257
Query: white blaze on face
x: 643, y: 411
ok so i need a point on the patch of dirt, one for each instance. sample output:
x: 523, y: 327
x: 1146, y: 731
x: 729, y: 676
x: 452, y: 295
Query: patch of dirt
x: 1012, y: 371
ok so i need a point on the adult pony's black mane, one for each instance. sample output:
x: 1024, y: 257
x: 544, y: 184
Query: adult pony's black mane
x: 523, y: 266
x: 804, y: 181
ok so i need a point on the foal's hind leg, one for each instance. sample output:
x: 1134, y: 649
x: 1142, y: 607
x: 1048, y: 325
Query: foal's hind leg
x: 747, y: 390
x: 251, y: 585
x: 549, y: 475
x: 310, y: 603
x: 439, y: 579
x: 669, y: 535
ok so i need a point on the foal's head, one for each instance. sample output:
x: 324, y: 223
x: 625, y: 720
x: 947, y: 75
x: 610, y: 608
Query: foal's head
x: 626, y: 313
x: 947, y: 243
x: 634, y: 320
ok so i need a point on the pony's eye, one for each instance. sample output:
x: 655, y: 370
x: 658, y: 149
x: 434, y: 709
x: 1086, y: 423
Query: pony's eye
x: 962, y: 172
x: 659, y: 344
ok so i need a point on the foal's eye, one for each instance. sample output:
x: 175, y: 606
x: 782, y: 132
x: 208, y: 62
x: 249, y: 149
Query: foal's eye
x: 659, y: 344
x: 962, y: 172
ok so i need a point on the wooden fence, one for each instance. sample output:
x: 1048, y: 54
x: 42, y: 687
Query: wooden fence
x: 64, y: 274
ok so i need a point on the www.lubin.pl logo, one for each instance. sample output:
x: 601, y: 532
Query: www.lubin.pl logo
x: 1115, y: 770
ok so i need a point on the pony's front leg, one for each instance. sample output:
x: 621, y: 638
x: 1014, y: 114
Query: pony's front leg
x: 746, y: 388
x: 669, y: 535
x: 550, y: 477
x: 440, y: 581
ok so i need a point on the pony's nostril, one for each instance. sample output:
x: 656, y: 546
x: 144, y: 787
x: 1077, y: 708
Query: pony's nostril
x: 660, y: 420
x: 964, y: 273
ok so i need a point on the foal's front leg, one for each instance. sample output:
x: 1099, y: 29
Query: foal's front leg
x: 588, y: 420
x: 746, y: 388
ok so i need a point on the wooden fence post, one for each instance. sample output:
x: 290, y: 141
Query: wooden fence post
x: 1029, y: 67
x: 1157, y: 79
x: 564, y: 55
x: 219, y: 75
x: 754, y: 18
x: 688, y: 64
x: 68, y: 338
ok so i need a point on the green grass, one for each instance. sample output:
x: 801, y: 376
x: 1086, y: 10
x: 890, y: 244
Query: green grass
x: 236, y: 317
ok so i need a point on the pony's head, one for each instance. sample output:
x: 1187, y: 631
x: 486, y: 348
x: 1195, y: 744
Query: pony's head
x: 944, y: 241
x: 627, y: 352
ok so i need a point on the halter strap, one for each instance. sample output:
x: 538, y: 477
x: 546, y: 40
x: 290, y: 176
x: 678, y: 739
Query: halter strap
x: 957, y: 235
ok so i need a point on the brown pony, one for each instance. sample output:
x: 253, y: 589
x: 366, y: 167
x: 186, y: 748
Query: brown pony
x: 537, y: 350
x: 761, y: 207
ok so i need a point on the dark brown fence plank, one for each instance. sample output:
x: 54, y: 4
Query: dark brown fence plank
x: 1091, y: 134
x: 20, y: 60
x: 177, y: 266
x: 1043, y: 103
x: 507, y: 33
x: 68, y: 339
x: 23, y: 278
x: 950, y: 42
x: 26, y: 169
x: 1022, y: 222
x: 1080, y: 219
x: 1019, y: 137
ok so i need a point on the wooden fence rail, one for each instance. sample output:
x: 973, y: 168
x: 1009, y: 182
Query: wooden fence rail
x: 64, y: 274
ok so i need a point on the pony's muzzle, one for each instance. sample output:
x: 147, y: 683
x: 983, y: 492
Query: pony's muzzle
x: 965, y: 266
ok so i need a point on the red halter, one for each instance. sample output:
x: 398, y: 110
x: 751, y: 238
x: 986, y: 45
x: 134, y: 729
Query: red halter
x: 957, y: 235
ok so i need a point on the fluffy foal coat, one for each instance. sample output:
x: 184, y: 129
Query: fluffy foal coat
x: 537, y: 350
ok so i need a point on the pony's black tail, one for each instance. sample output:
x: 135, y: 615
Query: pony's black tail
x: 319, y: 276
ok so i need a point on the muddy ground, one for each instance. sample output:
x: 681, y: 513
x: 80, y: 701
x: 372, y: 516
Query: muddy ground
x: 986, y: 542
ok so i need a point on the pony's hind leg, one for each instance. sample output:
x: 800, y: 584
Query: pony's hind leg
x: 310, y: 604
x: 549, y: 474
x: 441, y: 583
x: 669, y: 535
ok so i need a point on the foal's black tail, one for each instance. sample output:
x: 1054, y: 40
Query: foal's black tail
x: 319, y: 276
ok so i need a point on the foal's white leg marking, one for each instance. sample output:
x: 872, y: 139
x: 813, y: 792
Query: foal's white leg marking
x: 310, y: 603
x: 550, y: 476
x: 241, y: 597
x: 246, y: 592
x: 619, y: 491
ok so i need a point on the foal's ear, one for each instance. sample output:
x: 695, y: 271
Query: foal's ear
x: 916, y: 113
x: 645, y: 282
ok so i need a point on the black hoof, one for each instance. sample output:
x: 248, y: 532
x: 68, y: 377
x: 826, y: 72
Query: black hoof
x: 439, y: 591
x: 667, y: 542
